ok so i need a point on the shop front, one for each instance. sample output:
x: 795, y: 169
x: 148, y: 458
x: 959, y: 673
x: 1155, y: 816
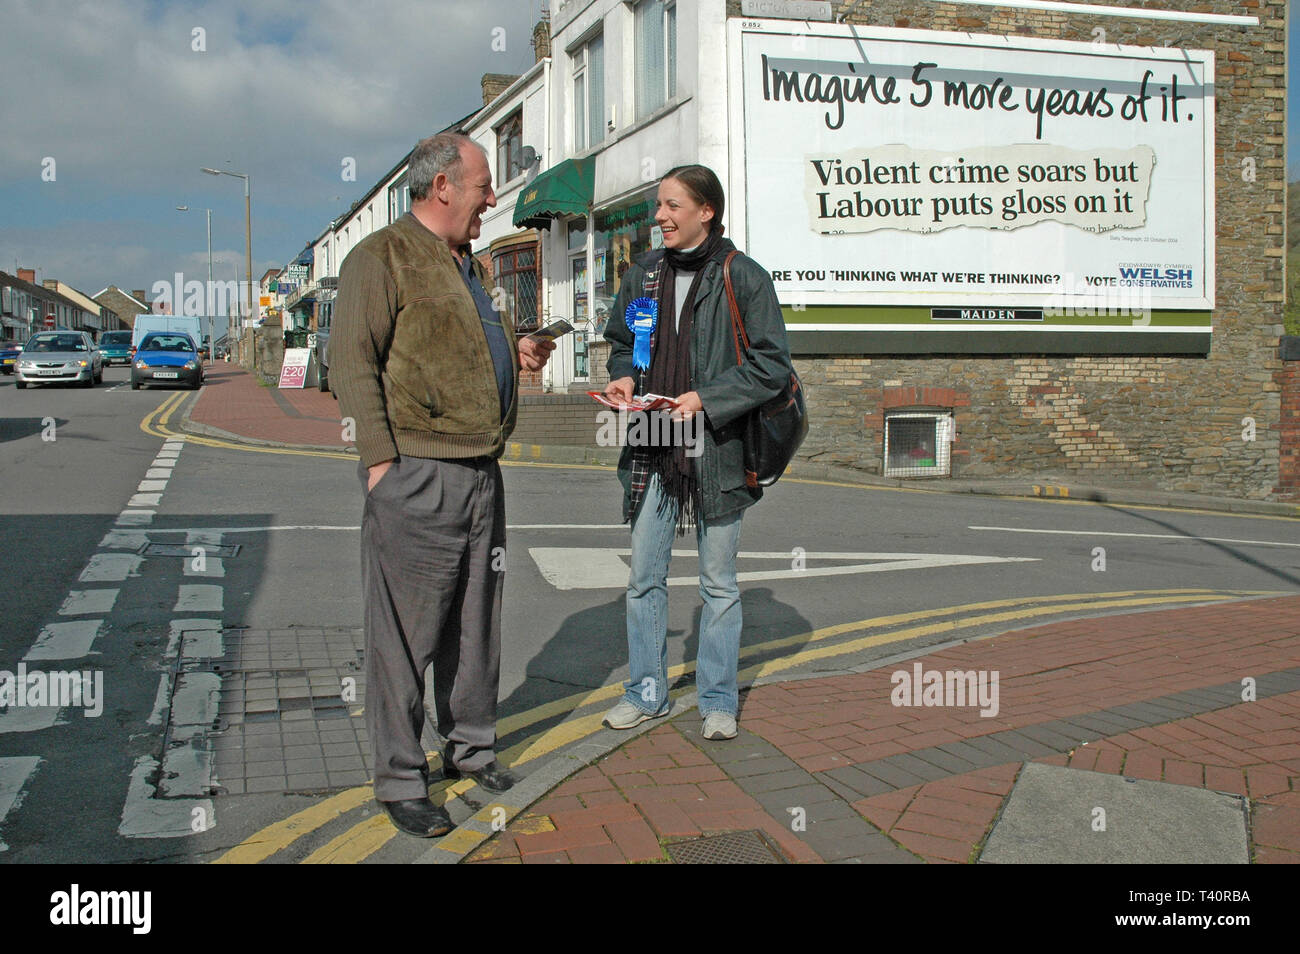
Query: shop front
x: 597, y: 261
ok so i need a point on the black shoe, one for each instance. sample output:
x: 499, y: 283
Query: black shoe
x: 492, y: 776
x: 418, y: 816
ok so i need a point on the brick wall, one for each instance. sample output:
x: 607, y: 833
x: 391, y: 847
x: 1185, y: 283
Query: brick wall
x: 568, y: 418
x: 565, y: 419
x: 1172, y: 423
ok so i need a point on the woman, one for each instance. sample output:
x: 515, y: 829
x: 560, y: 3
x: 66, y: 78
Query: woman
x: 692, y: 358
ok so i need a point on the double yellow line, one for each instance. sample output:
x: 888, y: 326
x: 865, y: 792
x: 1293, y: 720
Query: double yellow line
x: 365, y: 838
x: 155, y: 425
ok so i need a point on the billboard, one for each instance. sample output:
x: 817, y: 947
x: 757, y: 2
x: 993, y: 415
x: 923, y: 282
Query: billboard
x: 938, y: 181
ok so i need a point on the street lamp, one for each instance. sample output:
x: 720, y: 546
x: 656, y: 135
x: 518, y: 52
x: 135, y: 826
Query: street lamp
x: 207, y: 296
x: 248, y: 227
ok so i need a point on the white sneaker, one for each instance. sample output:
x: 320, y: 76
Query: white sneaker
x: 719, y: 725
x: 626, y: 716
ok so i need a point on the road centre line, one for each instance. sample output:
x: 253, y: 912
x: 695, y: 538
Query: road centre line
x: 15, y: 773
x: 281, y: 834
x: 1154, y: 536
x: 87, y: 602
x: 64, y: 640
x: 110, y: 567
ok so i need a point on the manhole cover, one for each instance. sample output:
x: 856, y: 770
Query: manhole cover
x: 214, y: 550
x: 733, y: 848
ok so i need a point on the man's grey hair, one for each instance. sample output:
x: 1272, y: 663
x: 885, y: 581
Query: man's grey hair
x: 440, y: 153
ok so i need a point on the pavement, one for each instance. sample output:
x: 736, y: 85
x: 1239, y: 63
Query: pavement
x: 1168, y: 735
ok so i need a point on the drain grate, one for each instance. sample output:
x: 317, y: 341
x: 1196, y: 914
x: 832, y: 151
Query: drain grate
x: 215, y: 550
x: 290, y: 715
x: 732, y: 848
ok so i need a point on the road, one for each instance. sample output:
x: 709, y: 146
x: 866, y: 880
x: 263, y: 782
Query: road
x: 214, y: 590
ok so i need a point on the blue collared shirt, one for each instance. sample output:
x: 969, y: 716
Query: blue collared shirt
x: 493, y: 329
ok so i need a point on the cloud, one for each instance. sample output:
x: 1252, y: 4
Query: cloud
x: 117, y: 94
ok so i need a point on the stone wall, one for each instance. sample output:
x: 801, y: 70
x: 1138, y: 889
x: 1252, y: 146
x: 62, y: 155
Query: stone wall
x: 266, y: 347
x: 1170, y: 422
x: 1288, y: 379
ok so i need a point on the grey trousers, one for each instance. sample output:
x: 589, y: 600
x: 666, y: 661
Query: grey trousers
x: 428, y: 536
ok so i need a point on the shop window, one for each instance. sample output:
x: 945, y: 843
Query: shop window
x: 623, y: 232
x: 589, y: 94
x: 918, y: 444
x: 510, y: 147
x: 516, y: 271
x: 655, y: 29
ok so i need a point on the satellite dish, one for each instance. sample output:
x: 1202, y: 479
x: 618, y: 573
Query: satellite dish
x: 532, y: 163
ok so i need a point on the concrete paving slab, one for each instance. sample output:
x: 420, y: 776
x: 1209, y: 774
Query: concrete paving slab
x: 1051, y: 814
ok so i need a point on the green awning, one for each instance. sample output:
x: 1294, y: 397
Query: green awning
x: 565, y: 189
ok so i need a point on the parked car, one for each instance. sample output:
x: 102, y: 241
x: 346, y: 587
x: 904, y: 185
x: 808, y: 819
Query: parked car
x: 322, y: 359
x: 9, y: 352
x: 115, y: 346
x: 164, y: 357
x: 50, y: 357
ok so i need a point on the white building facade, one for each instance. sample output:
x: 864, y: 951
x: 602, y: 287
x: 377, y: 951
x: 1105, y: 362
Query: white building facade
x: 636, y: 88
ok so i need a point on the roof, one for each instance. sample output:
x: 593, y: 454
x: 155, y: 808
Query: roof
x: 14, y: 281
x: 114, y: 288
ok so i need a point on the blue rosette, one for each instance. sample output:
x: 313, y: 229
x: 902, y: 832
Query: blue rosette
x: 642, y: 318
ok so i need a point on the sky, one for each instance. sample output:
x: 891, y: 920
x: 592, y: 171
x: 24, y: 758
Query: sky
x: 120, y: 102
x: 119, y: 96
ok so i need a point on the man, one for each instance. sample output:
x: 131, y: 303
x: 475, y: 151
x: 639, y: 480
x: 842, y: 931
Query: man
x: 426, y: 367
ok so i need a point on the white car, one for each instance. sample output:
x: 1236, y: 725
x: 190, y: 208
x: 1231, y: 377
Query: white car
x: 52, y: 357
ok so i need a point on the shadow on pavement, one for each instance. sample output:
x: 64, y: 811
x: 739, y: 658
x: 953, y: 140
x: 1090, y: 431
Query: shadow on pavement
x: 16, y: 428
x: 590, y: 647
x: 1227, y: 549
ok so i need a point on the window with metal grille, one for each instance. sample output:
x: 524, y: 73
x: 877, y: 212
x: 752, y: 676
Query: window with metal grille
x: 516, y: 270
x: 918, y: 444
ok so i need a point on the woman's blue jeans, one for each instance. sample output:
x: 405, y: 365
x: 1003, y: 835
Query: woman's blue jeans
x: 647, y: 608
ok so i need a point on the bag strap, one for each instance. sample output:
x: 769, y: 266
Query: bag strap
x: 737, y: 324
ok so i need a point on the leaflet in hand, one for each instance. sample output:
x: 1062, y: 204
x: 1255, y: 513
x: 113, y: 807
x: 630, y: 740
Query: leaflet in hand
x: 639, y: 402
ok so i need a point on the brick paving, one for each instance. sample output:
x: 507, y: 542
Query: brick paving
x: 233, y: 400
x: 831, y: 771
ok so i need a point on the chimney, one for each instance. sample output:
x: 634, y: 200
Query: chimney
x: 494, y: 84
x: 51, y: 284
x: 27, y: 275
x: 542, y: 37
x: 138, y: 295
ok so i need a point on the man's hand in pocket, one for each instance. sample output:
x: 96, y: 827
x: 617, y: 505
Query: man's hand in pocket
x: 375, y: 473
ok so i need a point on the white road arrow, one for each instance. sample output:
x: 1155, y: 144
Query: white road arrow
x: 599, y: 568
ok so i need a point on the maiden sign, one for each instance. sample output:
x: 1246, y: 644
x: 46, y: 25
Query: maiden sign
x: 955, y: 171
